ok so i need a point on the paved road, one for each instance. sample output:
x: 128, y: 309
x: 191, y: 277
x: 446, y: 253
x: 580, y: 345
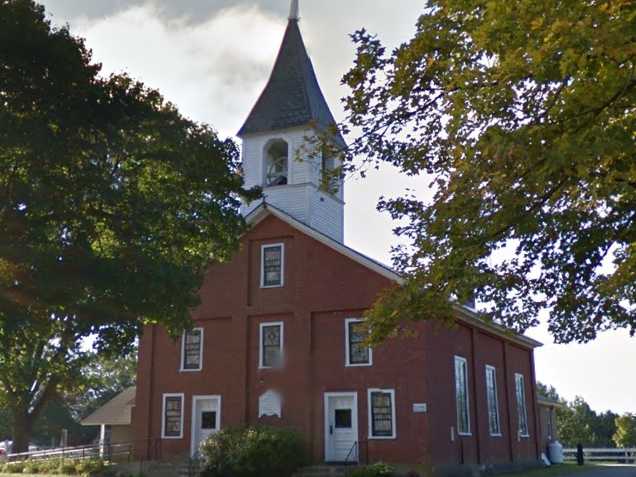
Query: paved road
x: 610, y: 471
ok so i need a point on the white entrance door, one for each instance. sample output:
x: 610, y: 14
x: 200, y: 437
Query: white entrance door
x: 341, y: 427
x: 206, y: 419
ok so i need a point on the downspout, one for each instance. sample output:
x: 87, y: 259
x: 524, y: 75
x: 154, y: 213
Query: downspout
x: 534, y: 406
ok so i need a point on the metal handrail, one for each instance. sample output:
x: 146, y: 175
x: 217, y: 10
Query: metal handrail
x: 353, y: 447
x: 104, y: 450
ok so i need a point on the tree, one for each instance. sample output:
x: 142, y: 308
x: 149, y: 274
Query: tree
x: 625, y: 431
x: 604, y: 428
x: 112, y: 205
x: 99, y: 381
x: 549, y: 392
x: 104, y: 378
x: 520, y: 115
x: 574, y: 424
x: 578, y: 423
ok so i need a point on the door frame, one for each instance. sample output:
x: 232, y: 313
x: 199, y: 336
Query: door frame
x: 354, y: 420
x: 193, y: 422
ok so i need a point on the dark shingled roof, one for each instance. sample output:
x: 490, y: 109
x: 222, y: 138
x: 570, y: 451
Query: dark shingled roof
x: 292, y: 96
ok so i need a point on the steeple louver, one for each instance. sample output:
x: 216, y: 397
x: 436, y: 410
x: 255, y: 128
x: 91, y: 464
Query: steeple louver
x: 292, y: 96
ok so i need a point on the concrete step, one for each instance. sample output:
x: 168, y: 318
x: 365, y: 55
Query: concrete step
x: 189, y: 469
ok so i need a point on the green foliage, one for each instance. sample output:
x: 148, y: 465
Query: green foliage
x: 103, y: 378
x: 549, y: 392
x: 578, y: 423
x: 521, y: 117
x: 112, y: 206
x: 56, y: 467
x: 13, y: 468
x: 373, y: 470
x: 625, y: 435
x: 253, y: 452
x: 100, y: 380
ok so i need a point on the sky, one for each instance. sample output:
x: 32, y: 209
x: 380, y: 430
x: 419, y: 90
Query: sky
x: 212, y: 59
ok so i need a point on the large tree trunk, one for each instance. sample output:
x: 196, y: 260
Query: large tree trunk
x: 22, y: 429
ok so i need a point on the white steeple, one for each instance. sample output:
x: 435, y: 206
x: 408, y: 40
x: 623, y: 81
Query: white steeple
x: 278, y: 151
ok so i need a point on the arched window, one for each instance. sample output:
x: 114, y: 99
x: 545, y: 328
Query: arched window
x: 276, y: 163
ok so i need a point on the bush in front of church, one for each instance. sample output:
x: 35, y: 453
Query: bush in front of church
x: 253, y: 452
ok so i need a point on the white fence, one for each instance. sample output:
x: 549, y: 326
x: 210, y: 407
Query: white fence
x: 106, y: 451
x: 618, y: 456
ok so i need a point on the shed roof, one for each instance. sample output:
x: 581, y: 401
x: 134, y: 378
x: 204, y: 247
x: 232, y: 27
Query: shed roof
x: 116, y: 412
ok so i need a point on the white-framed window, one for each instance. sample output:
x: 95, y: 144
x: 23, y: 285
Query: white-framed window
x: 462, y: 398
x: 381, y: 403
x: 273, y: 265
x: 172, y: 416
x: 522, y: 408
x: 192, y: 350
x: 357, y: 353
x: 492, y: 400
x: 271, y: 345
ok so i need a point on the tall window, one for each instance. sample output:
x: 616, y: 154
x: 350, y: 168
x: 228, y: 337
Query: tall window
x: 494, y: 424
x: 357, y: 352
x: 192, y: 350
x: 522, y: 409
x: 271, y: 349
x: 461, y: 396
x: 272, y: 265
x: 382, y: 414
x: 276, y: 163
x: 172, y: 427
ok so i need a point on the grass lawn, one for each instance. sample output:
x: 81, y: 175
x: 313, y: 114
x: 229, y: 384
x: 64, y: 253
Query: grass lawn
x: 555, y: 471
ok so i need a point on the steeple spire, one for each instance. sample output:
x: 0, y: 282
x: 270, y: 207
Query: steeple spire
x: 294, y: 10
x: 292, y: 96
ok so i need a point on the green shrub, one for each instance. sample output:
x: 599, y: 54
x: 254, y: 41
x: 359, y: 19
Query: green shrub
x: 253, y: 452
x: 32, y: 467
x: 374, y: 470
x: 14, y: 468
x: 89, y: 466
x: 67, y: 467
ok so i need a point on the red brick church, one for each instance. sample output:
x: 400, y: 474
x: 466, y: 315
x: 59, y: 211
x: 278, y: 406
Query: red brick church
x: 278, y: 340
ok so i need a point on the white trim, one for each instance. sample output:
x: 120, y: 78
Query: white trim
x: 200, y: 368
x: 348, y: 363
x: 496, y: 397
x: 282, y: 264
x: 393, y: 414
x: 163, y: 415
x: 259, y: 214
x: 288, y: 142
x: 526, y: 435
x: 472, y: 318
x: 466, y: 315
x: 464, y: 361
x: 354, y: 418
x: 195, y: 399
x: 260, y: 342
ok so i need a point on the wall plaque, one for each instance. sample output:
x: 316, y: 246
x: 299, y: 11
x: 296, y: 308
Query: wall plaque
x: 420, y: 408
x: 270, y: 404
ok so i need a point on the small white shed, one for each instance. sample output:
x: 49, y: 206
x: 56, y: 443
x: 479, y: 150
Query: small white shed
x: 115, y: 418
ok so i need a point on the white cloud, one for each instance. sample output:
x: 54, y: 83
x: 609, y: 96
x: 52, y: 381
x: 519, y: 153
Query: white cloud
x: 213, y: 70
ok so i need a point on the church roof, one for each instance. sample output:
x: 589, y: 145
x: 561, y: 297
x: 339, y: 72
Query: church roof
x: 464, y: 313
x: 292, y: 96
